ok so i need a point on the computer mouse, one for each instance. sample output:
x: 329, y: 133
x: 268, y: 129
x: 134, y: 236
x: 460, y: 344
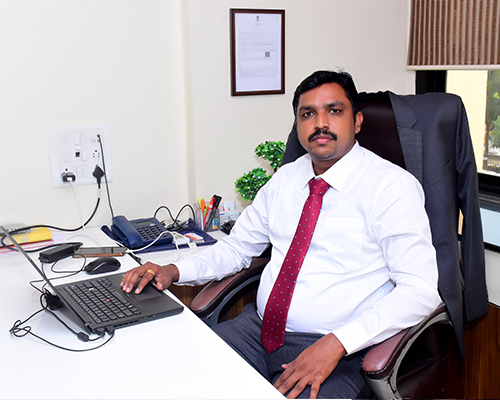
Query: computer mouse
x: 101, y: 265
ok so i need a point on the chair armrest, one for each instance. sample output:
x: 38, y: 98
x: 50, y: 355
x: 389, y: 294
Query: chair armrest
x: 383, y: 356
x: 383, y: 360
x: 213, y: 297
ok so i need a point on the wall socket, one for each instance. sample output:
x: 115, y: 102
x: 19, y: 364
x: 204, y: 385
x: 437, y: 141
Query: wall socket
x: 76, y: 149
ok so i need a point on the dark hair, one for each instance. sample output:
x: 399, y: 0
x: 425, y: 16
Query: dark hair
x: 319, y: 78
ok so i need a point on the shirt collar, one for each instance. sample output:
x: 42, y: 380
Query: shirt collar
x: 338, y: 173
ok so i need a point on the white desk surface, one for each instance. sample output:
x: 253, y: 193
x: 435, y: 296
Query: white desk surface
x: 178, y: 357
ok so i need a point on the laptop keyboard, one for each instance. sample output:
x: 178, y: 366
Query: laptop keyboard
x: 97, y: 298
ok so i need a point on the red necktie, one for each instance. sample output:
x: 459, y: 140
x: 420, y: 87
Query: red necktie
x: 274, y: 323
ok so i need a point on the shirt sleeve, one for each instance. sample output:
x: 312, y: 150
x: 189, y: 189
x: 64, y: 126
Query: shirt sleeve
x: 401, y: 227
x: 249, y: 238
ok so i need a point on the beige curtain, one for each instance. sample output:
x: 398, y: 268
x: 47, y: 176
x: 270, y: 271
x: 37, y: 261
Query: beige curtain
x: 447, y: 34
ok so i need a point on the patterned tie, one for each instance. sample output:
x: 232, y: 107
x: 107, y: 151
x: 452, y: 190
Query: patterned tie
x: 274, y: 323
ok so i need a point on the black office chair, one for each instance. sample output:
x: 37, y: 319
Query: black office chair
x: 413, y: 363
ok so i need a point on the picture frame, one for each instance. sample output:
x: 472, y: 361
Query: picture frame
x: 257, y: 52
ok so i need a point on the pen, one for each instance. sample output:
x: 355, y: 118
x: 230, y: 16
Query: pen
x: 202, y: 205
x: 208, y: 211
x: 211, y: 213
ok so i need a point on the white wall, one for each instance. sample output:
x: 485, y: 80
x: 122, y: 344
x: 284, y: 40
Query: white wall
x: 366, y: 38
x: 117, y: 62
x: 157, y: 72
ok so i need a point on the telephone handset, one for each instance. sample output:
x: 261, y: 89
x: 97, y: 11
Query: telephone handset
x: 140, y: 232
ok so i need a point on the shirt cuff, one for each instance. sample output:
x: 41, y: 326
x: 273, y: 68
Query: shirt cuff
x: 187, y: 272
x: 352, y: 336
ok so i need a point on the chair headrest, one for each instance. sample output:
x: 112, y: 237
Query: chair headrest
x: 378, y: 133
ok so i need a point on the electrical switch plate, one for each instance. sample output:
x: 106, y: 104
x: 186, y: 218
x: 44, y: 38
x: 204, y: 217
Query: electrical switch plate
x: 77, y: 149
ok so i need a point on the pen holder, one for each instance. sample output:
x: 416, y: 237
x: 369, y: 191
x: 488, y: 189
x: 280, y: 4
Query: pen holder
x: 212, y: 220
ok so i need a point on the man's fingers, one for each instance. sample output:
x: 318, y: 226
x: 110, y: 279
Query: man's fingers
x: 145, y: 279
x: 282, y: 384
x: 290, y: 381
x: 129, y: 279
x: 294, y: 386
x: 162, y: 280
x: 313, y: 394
x: 132, y: 276
x: 297, y: 389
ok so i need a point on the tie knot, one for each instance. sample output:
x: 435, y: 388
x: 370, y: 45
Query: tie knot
x: 318, y: 186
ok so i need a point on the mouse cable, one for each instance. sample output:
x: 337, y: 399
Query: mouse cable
x: 68, y: 273
x: 20, y: 331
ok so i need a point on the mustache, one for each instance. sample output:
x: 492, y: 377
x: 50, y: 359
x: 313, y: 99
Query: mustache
x: 324, y: 132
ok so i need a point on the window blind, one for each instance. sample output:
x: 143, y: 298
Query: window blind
x: 448, y: 34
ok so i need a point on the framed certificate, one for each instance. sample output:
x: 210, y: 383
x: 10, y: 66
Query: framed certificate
x: 257, y: 52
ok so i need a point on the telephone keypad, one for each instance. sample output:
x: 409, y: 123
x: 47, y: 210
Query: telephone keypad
x: 150, y: 232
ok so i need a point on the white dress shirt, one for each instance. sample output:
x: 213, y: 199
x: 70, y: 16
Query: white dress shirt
x: 371, y: 268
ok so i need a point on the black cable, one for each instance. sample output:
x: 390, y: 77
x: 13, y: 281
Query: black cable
x: 166, y: 208
x: 176, y: 226
x: 19, y: 331
x: 98, y: 175
x: 93, y: 212
x: 68, y: 274
x: 183, y: 207
x: 25, y: 228
x: 106, y: 177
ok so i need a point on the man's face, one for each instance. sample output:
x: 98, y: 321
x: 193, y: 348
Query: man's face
x: 326, y: 126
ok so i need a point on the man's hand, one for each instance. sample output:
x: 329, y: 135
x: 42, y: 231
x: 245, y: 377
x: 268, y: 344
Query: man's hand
x: 163, y: 276
x: 311, y: 367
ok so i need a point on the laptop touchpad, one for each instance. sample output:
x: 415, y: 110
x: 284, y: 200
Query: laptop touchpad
x: 149, y: 292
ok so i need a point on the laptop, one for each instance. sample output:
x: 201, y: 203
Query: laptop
x: 128, y: 309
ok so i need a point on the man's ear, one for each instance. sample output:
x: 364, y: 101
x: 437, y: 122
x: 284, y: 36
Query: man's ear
x: 358, y: 121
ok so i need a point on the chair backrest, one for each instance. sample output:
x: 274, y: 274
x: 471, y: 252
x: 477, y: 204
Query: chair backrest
x: 428, y: 135
x: 421, y: 372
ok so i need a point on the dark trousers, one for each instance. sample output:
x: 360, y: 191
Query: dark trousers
x: 243, y: 335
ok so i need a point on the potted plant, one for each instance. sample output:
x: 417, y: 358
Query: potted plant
x: 249, y: 184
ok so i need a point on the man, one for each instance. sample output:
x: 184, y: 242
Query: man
x: 368, y: 271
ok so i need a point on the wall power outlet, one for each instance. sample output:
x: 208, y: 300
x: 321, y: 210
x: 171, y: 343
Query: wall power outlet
x: 76, y: 149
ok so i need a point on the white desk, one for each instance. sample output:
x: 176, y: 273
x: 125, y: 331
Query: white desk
x: 177, y: 357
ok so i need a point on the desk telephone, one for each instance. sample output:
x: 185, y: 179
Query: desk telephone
x: 140, y: 232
